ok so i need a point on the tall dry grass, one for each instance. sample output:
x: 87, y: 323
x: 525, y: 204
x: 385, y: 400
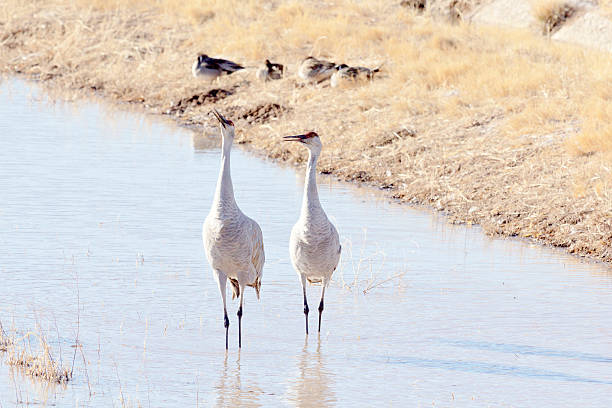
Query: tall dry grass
x: 495, y: 126
x: 552, y: 14
x: 35, y: 360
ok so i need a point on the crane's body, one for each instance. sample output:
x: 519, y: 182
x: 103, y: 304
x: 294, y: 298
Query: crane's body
x: 232, y: 241
x: 314, y: 245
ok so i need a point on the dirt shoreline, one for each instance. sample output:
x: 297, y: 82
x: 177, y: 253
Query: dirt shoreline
x: 435, y: 144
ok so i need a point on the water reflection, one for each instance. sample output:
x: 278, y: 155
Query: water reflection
x: 313, y: 385
x: 230, y: 390
x: 28, y: 390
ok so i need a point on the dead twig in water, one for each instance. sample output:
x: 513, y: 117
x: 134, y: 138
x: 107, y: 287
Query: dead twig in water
x: 373, y: 285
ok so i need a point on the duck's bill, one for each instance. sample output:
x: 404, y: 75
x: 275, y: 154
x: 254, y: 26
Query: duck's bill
x: 220, y: 117
x: 296, y: 138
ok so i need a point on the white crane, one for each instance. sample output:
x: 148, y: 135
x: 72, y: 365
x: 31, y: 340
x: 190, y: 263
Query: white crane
x: 232, y: 241
x: 314, y: 245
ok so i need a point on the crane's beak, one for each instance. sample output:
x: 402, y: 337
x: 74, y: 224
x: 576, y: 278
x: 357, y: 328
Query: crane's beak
x: 220, y: 118
x: 296, y: 138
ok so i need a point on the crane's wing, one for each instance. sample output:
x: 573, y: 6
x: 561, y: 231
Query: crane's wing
x: 258, y: 256
x: 336, y: 244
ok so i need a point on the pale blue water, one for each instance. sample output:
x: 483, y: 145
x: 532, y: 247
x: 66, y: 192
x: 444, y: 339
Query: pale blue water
x: 116, y: 200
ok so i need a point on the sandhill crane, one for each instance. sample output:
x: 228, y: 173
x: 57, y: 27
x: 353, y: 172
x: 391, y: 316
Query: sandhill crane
x: 314, y: 245
x: 314, y: 70
x: 206, y: 67
x: 345, y: 73
x: 232, y: 241
x: 270, y: 71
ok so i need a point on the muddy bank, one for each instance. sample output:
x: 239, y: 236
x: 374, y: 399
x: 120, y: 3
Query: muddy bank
x: 472, y: 123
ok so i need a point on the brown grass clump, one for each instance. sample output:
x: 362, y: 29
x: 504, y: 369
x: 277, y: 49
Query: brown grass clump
x: 453, y: 10
x: 417, y: 5
x: 35, y: 363
x: 491, y: 125
x: 595, y: 135
x: 552, y: 14
x: 5, y: 340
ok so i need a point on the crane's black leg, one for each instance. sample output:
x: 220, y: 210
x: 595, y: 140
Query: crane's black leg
x: 240, y: 317
x: 320, y: 313
x: 305, y: 308
x: 321, y: 306
x: 240, y: 326
x: 221, y: 281
x: 226, y: 324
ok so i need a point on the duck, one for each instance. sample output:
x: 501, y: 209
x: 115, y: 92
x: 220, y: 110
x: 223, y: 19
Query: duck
x: 314, y: 70
x: 270, y: 71
x: 209, y: 68
x: 345, y: 73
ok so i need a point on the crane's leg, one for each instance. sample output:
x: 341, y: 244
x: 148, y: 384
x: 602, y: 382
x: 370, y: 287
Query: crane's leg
x: 221, y: 281
x: 240, y: 317
x: 305, y: 301
x: 321, y: 304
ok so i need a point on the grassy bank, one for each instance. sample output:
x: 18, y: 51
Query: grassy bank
x: 493, y: 126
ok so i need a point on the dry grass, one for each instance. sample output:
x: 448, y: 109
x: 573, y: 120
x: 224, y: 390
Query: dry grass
x: 5, y: 340
x: 363, y: 270
x: 494, y: 126
x: 606, y: 7
x: 38, y: 362
x: 552, y: 14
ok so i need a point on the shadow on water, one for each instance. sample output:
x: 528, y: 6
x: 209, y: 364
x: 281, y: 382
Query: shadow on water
x: 526, y: 350
x: 312, y: 385
x: 488, y: 368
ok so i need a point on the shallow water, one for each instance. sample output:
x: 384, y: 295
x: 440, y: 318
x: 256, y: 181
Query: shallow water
x: 100, y: 223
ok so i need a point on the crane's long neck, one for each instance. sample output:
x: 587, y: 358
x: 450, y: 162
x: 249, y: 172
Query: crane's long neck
x: 224, y: 194
x: 310, y: 203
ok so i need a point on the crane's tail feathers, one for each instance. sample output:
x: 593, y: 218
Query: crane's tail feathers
x: 314, y: 281
x: 257, y: 286
x: 235, y: 288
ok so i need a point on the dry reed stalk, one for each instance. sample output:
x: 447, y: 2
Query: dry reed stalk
x: 5, y: 340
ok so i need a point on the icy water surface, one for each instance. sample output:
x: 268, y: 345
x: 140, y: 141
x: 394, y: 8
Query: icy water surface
x: 101, y: 212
